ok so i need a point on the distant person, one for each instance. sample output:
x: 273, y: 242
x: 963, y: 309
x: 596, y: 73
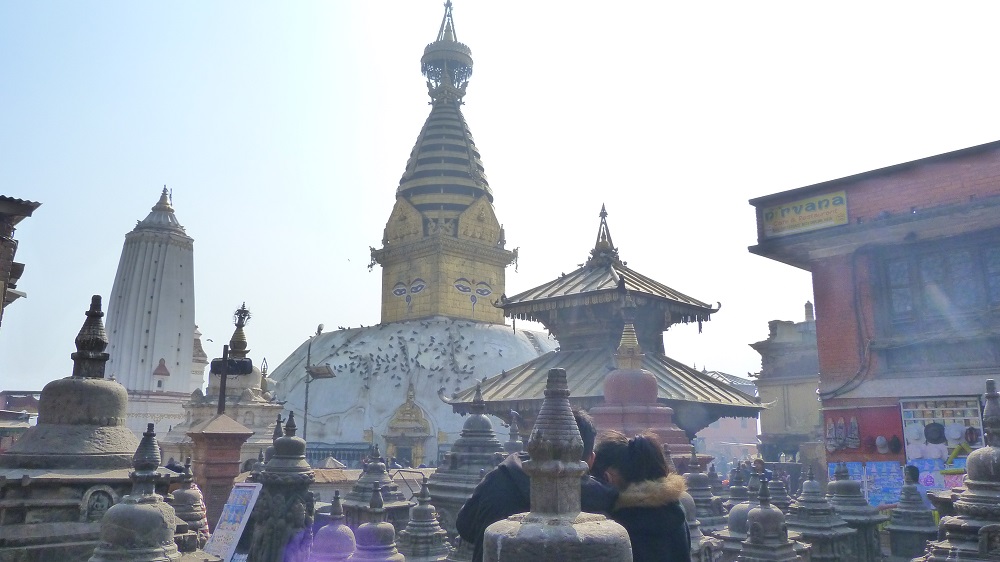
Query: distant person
x: 648, y: 504
x: 506, y: 491
x: 761, y: 469
x: 912, y: 474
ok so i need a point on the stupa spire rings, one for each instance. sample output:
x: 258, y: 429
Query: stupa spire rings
x: 447, y: 64
x: 90, y: 358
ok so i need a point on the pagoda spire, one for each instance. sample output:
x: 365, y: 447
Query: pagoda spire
x: 446, y: 63
x: 604, y: 252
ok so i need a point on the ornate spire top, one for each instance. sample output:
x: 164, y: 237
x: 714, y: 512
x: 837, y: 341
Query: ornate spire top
x: 446, y: 63
x: 89, y: 359
x: 629, y: 354
x: 238, y: 343
x: 144, y: 461
x: 478, y: 404
x: 604, y: 252
x: 161, y: 216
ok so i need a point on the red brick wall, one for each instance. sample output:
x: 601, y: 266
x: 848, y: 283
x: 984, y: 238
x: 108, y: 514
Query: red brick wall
x: 926, y: 185
x: 840, y: 284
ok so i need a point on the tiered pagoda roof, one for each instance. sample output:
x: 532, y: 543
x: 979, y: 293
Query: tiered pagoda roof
x: 583, y: 310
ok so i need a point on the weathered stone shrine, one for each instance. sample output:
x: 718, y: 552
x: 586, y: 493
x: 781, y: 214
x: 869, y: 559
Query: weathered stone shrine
x: 849, y: 502
x: 813, y: 518
x: 911, y: 523
x: 555, y: 529
x: 63, y: 474
x: 423, y: 539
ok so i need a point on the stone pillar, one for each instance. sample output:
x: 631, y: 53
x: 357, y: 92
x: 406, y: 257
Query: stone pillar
x: 283, y: 517
x: 814, y: 519
x: 423, y: 539
x: 334, y: 541
x: 849, y: 502
x: 216, y: 460
x: 911, y: 524
x: 555, y: 529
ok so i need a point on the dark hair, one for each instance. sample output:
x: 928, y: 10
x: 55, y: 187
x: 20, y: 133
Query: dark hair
x: 912, y: 472
x: 587, y: 431
x: 636, y: 459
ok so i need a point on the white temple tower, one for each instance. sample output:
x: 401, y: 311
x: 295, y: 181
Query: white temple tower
x: 151, y: 323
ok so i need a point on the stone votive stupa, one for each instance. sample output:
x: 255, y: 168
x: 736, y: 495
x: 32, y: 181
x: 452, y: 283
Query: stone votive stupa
x: 849, y: 502
x: 477, y: 449
x: 709, y: 507
x: 974, y: 532
x: 718, y: 489
x: 911, y: 523
x: 704, y: 548
x: 189, y: 504
x: 735, y: 532
x: 423, y: 539
x: 376, y: 538
x: 334, y: 541
x: 555, y: 528
x: 284, y: 512
x: 779, y: 494
x: 630, y: 393
x: 141, y: 527
x: 767, y: 536
x: 514, y: 443
x: 357, y: 501
x: 813, y: 518
x: 63, y: 474
x: 737, y: 490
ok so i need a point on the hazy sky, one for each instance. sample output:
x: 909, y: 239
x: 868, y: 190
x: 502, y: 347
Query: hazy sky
x: 283, y: 128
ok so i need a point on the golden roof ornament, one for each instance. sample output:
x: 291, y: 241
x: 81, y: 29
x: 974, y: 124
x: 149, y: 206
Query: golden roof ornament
x: 604, y: 253
x: 238, y: 343
x: 629, y: 354
x: 446, y: 63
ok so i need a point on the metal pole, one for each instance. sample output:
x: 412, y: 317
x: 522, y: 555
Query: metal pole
x: 222, y: 384
x: 305, y: 418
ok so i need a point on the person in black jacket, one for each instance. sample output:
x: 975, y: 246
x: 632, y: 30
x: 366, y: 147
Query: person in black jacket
x: 648, y: 504
x: 506, y: 491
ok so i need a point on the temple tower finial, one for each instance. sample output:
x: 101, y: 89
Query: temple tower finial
x: 446, y: 63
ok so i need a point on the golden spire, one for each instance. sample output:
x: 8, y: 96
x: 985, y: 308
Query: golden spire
x: 238, y: 343
x: 629, y: 354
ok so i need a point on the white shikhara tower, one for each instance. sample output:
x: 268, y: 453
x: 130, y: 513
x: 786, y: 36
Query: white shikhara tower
x: 151, y: 325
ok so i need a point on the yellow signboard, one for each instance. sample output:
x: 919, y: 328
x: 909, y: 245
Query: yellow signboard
x: 804, y: 215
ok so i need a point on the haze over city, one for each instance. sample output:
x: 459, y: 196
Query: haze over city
x: 282, y: 130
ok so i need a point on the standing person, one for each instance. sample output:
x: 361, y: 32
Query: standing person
x: 648, y: 504
x: 506, y: 491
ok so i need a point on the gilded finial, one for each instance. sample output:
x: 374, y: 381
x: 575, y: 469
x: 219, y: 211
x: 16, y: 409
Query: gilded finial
x: 629, y: 355
x: 238, y: 343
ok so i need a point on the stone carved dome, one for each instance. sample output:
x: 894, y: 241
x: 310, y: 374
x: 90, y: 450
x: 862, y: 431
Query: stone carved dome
x: 81, y: 417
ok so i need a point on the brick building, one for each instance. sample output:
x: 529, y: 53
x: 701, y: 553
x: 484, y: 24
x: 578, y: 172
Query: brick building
x: 787, y: 383
x: 905, y: 262
x: 12, y: 211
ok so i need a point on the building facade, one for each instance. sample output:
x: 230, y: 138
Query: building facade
x: 905, y: 262
x: 787, y: 383
x: 151, y: 321
x: 12, y: 211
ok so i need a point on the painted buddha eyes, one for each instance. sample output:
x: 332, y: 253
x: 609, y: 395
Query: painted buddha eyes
x: 483, y: 289
x: 417, y: 285
x: 463, y: 285
x: 399, y: 289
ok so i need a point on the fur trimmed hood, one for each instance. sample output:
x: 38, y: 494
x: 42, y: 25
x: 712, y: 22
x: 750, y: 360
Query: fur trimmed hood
x: 652, y: 493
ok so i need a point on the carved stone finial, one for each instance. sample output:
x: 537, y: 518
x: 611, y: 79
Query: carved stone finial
x: 90, y: 359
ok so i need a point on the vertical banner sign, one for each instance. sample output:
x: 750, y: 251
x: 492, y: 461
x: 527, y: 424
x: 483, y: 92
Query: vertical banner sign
x: 233, y: 520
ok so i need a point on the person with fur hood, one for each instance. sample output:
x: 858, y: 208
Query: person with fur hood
x: 648, y: 503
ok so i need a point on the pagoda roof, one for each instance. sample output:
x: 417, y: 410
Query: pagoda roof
x: 678, y: 386
x: 603, y: 278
